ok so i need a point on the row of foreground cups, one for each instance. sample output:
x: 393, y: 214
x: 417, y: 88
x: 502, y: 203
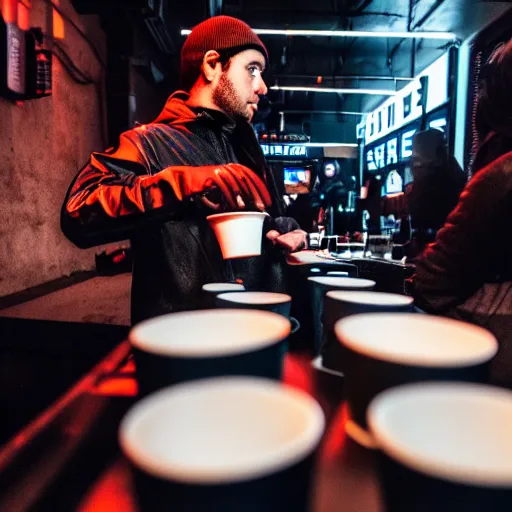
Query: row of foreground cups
x: 227, y: 436
x: 215, y: 429
x: 416, y: 388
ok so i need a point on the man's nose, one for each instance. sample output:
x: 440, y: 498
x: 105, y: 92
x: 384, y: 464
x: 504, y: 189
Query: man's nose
x: 260, y: 86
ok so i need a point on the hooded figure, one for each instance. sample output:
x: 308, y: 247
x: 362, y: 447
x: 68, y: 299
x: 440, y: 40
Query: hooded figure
x: 437, y: 181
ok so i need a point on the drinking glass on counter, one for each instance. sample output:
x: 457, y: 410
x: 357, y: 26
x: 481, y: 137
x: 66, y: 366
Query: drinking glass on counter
x: 379, y: 246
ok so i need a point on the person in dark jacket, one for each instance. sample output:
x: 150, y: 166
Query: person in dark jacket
x: 467, y: 272
x: 198, y: 157
x: 437, y: 183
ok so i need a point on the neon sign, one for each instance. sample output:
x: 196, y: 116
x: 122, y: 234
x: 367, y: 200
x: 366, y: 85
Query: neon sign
x: 284, y: 150
x: 406, y: 146
x: 392, y: 151
x: 407, y: 104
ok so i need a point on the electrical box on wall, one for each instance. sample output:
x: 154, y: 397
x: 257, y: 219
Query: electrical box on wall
x: 25, y: 66
x: 12, y: 48
x: 38, y: 66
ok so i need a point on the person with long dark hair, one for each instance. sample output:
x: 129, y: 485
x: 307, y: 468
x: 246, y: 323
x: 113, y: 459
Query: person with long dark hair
x: 466, y: 273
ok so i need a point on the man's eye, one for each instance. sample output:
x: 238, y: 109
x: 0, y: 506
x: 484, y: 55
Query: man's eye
x: 254, y: 71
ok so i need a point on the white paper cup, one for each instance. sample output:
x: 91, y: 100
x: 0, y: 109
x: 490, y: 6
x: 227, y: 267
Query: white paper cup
x: 270, y: 301
x: 239, y: 233
x: 319, y: 286
x: 211, y: 290
x: 446, y: 446
x: 223, y: 287
x: 190, y: 345
x: 329, y: 283
x: 243, y: 442
x: 384, y: 350
x: 340, y: 304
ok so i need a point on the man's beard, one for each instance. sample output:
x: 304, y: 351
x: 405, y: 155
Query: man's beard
x: 227, y: 99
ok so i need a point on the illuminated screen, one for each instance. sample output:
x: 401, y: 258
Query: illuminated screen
x: 297, y: 180
x: 394, y: 183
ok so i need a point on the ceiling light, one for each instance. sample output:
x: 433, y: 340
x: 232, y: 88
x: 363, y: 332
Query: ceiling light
x: 337, y: 112
x: 329, y: 144
x: 316, y: 144
x: 450, y: 36
x: 378, y: 92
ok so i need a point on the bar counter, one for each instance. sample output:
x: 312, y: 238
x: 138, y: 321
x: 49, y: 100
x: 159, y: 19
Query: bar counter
x: 68, y: 458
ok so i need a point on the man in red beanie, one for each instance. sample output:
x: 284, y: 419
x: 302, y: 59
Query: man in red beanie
x: 164, y: 178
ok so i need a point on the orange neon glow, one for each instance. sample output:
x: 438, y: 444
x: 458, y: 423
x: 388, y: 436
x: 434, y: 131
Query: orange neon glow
x: 117, y: 386
x: 396, y: 194
x: 335, y: 437
x: 23, y: 15
x: 10, y: 11
x: 58, y: 23
x: 297, y: 372
x: 111, y: 491
x: 128, y: 367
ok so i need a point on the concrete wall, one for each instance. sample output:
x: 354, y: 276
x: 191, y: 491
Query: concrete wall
x: 43, y: 143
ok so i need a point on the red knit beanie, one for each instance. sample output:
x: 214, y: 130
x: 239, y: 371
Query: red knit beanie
x: 225, y: 34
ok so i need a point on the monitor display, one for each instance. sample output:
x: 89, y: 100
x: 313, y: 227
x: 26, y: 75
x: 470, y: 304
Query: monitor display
x: 394, y: 183
x: 297, y: 180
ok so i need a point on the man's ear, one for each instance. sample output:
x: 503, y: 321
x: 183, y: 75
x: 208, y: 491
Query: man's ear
x: 211, y: 66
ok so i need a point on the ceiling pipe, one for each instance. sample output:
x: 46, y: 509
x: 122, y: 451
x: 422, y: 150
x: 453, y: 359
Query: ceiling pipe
x: 377, y: 92
x: 337, y: 112
x: 345, y: 77
x: 449, y: 36
x: 419, y: 23
x: 413, y: 42
x: 427, y: 15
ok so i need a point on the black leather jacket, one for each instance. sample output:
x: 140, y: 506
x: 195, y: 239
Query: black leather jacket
x: 175, y: 251
x: 467, y: 272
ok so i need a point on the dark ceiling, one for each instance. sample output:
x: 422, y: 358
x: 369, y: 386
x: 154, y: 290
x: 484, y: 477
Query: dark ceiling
x: 347, y: 62
x: 383, y: 63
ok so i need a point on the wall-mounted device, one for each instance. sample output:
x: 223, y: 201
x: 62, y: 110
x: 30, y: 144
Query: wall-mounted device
x: 38, y: 67
x: 25, y: 66
x: 12, y: 34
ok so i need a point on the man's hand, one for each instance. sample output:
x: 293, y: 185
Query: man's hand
x: 237, y: 183
x: 292, y: 241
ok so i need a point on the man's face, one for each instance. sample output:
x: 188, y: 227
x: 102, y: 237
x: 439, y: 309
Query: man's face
x: 237, y: 89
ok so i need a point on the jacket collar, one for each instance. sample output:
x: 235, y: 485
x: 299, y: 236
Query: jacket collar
x: 176, y: 111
